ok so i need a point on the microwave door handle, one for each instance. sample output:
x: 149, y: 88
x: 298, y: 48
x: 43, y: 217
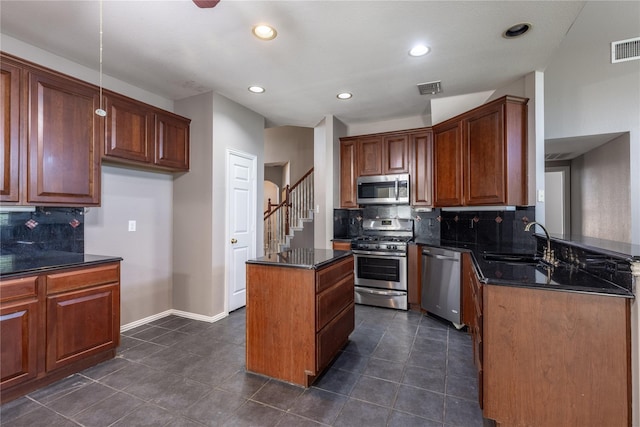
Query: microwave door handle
x: 397, y: 195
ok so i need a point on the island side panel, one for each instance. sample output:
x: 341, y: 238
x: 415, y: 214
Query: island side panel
x: 555, y: 358
x: 281, y: 322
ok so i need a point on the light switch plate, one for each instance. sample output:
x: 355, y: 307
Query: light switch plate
x: 541, y: 196
x: 132, y: 225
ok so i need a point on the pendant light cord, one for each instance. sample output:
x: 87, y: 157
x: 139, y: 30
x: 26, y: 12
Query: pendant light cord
x: 101, y: 111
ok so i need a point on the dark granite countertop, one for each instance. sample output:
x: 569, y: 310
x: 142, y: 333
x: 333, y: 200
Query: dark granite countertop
x: 23, y: 263
x: 563, y: 277
x: 301, y: 258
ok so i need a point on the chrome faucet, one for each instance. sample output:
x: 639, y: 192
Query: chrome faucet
x: 548, y: 255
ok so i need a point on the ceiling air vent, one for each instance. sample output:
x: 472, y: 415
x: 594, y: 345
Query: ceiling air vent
x: 625, y: 50
x: 430, y: 88
x: 557, y: 156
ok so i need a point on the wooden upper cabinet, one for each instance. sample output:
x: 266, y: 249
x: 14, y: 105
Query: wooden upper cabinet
x: 395, y: 154
x: 64, y: 141
x: 172, y: 141
x: 370, y: 155
x: 421, y: 175
x: 447, y: 160
x: 129, y: 130
x: 348, y: 173
x: 484, y: 178
x: 10, y: 78
x: 480, y: 157
x: 495, y: 144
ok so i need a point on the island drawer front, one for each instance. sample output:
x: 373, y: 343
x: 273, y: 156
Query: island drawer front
x: 14, y: 289
x: 84, y: 278
x: 333, y: 300
x: 333, y: 336
x: 328, y: 276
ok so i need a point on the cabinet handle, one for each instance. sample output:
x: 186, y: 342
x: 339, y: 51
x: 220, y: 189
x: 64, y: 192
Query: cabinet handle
x: 234, y: 241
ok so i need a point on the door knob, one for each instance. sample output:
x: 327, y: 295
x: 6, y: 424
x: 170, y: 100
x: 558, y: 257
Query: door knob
x: 234, y: 241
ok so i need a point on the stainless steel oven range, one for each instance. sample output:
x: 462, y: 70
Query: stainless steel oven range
x: 380, y: 262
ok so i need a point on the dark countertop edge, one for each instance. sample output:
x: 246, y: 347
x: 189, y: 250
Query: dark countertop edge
x: 624, y: 293
x: 95, y: 260
x: 340, y: 254
x: 342, y: 239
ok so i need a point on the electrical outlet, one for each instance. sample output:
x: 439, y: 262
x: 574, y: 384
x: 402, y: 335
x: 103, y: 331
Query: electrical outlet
x: 132, y: 225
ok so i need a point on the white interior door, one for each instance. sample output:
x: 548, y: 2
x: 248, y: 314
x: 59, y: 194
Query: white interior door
x: 241, y: 219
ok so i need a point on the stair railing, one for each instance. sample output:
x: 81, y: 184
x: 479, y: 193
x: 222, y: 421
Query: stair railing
x: 296, y: 206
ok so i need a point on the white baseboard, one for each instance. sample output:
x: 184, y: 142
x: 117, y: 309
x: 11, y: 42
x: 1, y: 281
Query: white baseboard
x: 170, y: 312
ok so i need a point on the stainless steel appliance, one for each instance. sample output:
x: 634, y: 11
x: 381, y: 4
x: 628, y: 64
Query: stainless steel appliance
x: 441, y: 283
x: 383, y: 190
x: 380, y: 262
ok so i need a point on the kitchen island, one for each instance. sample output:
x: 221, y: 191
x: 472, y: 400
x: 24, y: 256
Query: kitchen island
x: 300, y: 312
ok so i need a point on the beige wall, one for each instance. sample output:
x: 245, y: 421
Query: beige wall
x: 145, y: 197
x: 200, y: 216
x: 600, y: 193
x: 290, y: 144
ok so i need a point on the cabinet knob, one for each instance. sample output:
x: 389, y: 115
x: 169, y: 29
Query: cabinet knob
x: 234, y: 241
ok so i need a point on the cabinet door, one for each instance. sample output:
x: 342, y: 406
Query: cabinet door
x: 395, y: 154
x: 81, y: 323
x: 19, y: 318
x: 129, y: 130
x: 172, y: 142
x: 484, y: 174
x: 10, y: 77
x: 348, y: 174
x: 421, y: 175
x: 447, y: 159
x: 370, y: 156
x: 64, y: 141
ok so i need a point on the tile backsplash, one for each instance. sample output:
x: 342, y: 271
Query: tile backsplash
x: 59, y: 229
x: 485, y: 228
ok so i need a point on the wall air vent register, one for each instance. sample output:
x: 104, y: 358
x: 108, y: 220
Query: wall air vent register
x: 625, y: 50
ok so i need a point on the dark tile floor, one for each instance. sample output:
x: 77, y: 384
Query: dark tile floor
x: 398, y: 369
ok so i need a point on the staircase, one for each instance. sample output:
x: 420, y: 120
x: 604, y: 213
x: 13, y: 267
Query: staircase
x: 281, y: 221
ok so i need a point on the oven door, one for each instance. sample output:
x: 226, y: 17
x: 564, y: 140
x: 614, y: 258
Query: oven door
x: 380, y: 270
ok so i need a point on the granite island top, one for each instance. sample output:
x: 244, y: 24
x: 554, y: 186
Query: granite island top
x: 566, y: 278
x: 301, y: 258
x: 23, y: 263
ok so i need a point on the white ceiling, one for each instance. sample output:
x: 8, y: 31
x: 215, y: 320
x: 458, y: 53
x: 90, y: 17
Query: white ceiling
x: 176, y: 50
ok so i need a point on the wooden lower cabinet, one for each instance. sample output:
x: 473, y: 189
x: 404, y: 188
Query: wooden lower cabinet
x: 341, y: 246
x: 549, y: 358
x: 298, y: 319
x: 20, y: 316
x: 53, y: 325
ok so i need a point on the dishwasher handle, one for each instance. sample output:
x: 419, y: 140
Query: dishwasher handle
x: 441, y: 257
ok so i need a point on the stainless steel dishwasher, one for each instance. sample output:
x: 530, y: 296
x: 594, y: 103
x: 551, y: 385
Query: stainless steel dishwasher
x: 441, y: 283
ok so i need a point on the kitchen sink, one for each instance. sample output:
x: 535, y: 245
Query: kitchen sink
x: 512, y: 258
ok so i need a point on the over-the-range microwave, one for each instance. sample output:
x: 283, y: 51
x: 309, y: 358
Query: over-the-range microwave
x: 383, y: 190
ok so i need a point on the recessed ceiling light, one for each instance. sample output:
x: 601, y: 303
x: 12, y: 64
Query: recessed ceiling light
x: 516, y: 30
x: 419, y: 50
x: 264, y: 32
x: 256, y: 89
x: 344, y: 95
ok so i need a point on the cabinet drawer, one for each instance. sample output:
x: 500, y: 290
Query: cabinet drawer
x: 330, y: 339
x: 330, y: 275
x: 13, y: 289
x: 333, y: 300
x: 84, y: 278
